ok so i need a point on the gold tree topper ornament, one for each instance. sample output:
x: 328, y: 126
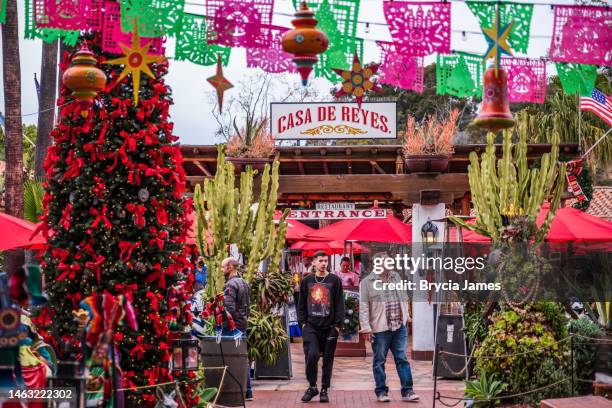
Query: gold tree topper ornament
x: 358, y: 80
x: 136, y: 60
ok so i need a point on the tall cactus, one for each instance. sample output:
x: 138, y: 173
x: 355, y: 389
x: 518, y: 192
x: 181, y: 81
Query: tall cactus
x: 507, y: 187
x: 226, y: 214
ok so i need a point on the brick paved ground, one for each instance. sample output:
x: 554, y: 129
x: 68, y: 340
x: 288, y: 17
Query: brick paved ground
x: 352, y: 385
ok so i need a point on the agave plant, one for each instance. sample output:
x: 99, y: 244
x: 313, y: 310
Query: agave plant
x: 484, y: 392
x: 253, y: 140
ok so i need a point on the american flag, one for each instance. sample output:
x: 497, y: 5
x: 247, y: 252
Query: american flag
x: 599, y: 104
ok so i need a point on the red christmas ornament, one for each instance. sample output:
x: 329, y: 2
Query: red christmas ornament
x: 305, y: 42
x: 84, y: 78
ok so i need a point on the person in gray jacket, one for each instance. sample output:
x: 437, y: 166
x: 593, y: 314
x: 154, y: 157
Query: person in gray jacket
x: 236, y: 302
x: 383, y: 315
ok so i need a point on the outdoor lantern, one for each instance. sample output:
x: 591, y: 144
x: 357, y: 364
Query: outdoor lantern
x: 84, y: 78
x: 69, y: 377
x: 429, y: 232
x: 185, y: 353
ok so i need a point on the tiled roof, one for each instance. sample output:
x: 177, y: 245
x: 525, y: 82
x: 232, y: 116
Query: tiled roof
x: 601, y: 202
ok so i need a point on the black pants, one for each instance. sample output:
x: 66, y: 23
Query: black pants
x: 316, y: 343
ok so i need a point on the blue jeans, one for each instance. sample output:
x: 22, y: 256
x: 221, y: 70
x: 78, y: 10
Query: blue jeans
x: 228, y: 332
x: 381, y: 343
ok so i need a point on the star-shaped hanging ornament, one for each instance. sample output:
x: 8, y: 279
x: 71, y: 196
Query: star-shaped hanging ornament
x: 358, y: 80
x: 497, y: 38
x: 219, y: 82
x: 136, y: 60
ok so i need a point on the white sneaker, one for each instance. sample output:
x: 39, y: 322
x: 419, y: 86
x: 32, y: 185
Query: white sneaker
x: 383, y: 398
x: 410, y: 397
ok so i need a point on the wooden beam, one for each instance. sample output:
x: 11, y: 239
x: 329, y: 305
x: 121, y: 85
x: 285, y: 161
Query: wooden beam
x: 349, y: 166
x: 336, y: 159
x: 377, y: 167
x: 400, y: 187
x: 405, y: 188
x: 203, y: 168
x: 301, y: 167
x: 325, y: 168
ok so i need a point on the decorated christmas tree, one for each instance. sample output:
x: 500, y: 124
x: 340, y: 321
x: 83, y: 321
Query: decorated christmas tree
x: 116, y: 213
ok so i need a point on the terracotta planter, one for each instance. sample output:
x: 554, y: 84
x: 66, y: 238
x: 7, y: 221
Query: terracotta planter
x: 241, y: 163
x: 426, y: 163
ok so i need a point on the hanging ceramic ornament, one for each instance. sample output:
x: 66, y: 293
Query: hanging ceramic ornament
x: 135, y: 60
x: 494, y: 113
x: 358, y: 80
x: 219, y: 82
x: 305, y: 42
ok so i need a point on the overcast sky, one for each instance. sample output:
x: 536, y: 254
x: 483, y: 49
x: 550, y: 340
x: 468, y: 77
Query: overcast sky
x: 192, y: 108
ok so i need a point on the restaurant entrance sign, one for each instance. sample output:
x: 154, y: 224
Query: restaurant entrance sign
x: 333, y: 120
x: 336, y: 214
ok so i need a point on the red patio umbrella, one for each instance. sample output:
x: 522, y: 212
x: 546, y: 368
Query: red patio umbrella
x: 330, y: 247
x: 573, y: 225
x: 569, y: 225
x: 388, y: 229
x: 295, y: 230
x: 16, y: 233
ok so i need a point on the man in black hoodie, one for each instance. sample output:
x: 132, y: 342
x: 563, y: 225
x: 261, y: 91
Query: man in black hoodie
x: 320, y: 314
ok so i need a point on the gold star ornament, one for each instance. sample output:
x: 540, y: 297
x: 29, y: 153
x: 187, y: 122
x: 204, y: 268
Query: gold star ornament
x: 219, y: 82
x: 358, y: 80
x: 135, y: 60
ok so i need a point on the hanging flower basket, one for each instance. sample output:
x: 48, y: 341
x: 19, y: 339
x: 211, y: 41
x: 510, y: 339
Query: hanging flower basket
x: 426, y: 163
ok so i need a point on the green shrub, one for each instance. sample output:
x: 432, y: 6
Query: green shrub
x: 522, y: 344
x: 584, y: 353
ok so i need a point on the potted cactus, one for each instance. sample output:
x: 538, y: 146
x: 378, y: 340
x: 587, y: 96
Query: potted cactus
x: 250, y: 146
x: 428, y: 145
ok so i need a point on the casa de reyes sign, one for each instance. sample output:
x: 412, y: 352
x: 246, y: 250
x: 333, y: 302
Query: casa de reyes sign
x: 333, y: 120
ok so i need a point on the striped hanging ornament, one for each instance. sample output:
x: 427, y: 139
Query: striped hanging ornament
x: 574, y: 168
